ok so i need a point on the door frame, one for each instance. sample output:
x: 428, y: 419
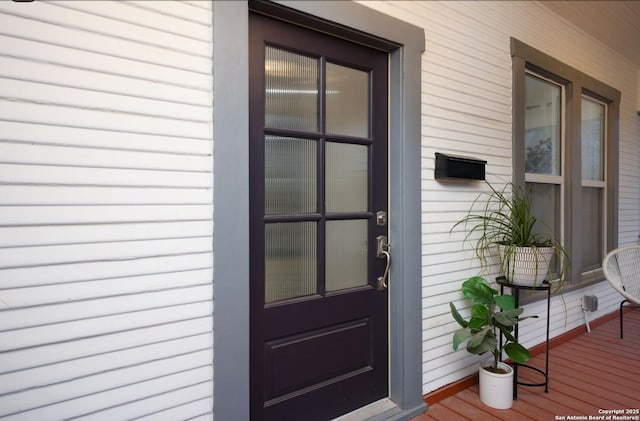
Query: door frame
x: 231, y: 199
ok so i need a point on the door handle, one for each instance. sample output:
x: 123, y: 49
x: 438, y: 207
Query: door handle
x: 383, y: 251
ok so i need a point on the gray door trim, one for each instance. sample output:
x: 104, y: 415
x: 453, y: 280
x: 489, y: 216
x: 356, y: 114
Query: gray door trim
x: 231, y: 201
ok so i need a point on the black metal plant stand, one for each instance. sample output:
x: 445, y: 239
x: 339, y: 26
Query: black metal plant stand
x: 515, y: 289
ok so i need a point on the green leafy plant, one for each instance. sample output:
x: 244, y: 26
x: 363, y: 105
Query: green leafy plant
x: 491, y: 314
x: 505, y: 218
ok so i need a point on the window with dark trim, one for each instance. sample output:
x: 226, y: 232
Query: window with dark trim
x: 565, y: 149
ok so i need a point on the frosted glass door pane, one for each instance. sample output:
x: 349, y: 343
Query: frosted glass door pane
x: 290, y: 260
x: 346, y: 254
x: 592, y: 140
x: 291, y: 90
x: 290, y: 175
x: 346, y: 177
x: 542, y: 127
x: 347, y: 101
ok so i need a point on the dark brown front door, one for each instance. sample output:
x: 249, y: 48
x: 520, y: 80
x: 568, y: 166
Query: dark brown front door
x: 318, y: 150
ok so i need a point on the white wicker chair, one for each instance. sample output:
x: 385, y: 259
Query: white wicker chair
x: 621, y: 267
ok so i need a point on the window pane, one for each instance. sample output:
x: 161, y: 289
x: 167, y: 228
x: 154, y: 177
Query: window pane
x: 290, y: 260
x: 346, y: 254
x: 290, y: 167
x: 347, y: 101
x: 545, y: 205
x: 346, y: 177
x: 592, y: 228
x: 542, y: 138
x: 592, y: 140
x: 291, y: 90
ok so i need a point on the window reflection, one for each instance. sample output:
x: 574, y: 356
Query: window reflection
x: 542, y: 139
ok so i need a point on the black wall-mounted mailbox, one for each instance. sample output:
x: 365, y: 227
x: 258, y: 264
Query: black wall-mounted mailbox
x: 459, y: 167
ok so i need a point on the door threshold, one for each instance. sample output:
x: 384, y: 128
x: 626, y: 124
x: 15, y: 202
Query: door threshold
x: 370, y: 412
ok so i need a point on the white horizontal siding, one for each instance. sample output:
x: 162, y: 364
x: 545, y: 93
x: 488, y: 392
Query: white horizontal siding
x: 78, y: 156
x: 60, y: 114
x: 84, y: 291
x: 22, y: 329
x: 40, y: 50
x: 64, y: 96
x: 150, y: 388
x: 34, y: 70
x: 124, y: 341
x: 91, y: 138
x: 62, y: 174
x: 82, y: 234
x: 466, y: 110
x: 62, y: 26
x: 96, y: 270
x: 85, y: 367
x: 11, y: 195
x: 106, y: 226
x: 57, y: 214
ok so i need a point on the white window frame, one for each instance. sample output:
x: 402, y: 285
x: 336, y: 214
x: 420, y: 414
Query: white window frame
x: 599, y: 184
x: 554, y: 179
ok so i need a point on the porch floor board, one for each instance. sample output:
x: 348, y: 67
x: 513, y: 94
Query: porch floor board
x: 590, y: 372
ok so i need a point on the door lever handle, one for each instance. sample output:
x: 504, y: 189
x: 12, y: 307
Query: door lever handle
x: 382, y: 280
x: 382, y: 253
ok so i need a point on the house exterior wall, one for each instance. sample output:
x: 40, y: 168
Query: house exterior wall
x: 466, y: 110
x: 106, y: 209
x: 106, y: 192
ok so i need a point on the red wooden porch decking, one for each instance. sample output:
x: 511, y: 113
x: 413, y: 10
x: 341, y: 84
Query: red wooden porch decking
x: 589, y: 373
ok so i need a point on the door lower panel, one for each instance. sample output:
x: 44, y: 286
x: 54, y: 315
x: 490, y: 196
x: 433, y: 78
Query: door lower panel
x: 287, y: 373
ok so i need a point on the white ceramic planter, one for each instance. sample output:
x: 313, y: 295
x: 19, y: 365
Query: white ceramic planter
x: 525, y: 265
x: 496, y: 390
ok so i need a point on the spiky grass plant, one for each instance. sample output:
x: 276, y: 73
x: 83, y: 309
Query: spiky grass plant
x: 504, y: 217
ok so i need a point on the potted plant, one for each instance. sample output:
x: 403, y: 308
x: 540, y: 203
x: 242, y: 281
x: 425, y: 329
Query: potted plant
x: 505, y: 219
x: 491, y: 315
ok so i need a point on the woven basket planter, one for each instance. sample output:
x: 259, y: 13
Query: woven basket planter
x: 527, y: 266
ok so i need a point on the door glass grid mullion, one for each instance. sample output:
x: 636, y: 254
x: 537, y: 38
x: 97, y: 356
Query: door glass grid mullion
x: 322, y: 224
x: 301, y: 169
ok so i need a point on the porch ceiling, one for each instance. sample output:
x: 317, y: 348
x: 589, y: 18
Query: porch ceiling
x: 615, y: 23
